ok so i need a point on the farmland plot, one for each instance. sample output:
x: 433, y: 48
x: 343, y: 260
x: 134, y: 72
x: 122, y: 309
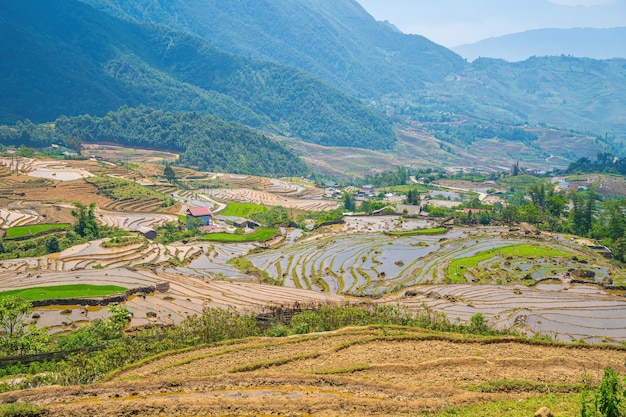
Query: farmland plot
x: 53, y: 170
x: 186, y: 295
x: 133, y: 221
x: 268, y: 199
x: 13, y: 218
x: 350, y: 372
x: 564, y: 311
x: 373, y: 264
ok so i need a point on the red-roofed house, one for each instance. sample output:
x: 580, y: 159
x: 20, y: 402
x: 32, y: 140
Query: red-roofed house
x: 202, y: 213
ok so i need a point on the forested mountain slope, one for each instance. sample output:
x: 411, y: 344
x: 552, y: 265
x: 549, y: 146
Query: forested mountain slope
x: 202, y: 141
x: 66, y: 58
x: 334, y: 39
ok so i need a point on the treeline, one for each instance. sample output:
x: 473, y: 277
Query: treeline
x: 389, y: 178
x: 605, y: 162
x: 204, y: 141
x: 466, y: 134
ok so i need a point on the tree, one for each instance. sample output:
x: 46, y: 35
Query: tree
x: 12, y: 312
x: 515, y: 169
x: 413, y: 197
x: 348, y: 201
x: 52, y: 245
x: 87, y: 225
x: 169, y: 174
x: 619, y: 249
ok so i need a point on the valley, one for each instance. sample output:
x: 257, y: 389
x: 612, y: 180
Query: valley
x: 288, y: 208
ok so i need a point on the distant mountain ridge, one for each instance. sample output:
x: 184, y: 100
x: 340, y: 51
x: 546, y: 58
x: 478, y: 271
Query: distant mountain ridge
x: 578, y: 42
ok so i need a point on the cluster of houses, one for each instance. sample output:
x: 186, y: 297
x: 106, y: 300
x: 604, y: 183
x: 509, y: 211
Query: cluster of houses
x: 364, y: 193
x: 206, y: 217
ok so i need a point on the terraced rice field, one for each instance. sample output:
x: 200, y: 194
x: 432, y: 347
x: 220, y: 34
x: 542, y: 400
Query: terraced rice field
x: 187, y: 295
x: 269, y: 185
x: 133, y: 221
x: 374, y: 264
x: 352, y: 372
x: 135, y: 205
x: 53, y: 170
x: 267, y: 199
x: 14, y: 218
x: 561, y: 311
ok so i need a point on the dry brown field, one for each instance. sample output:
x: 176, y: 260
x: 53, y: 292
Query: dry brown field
x: 351, y: 372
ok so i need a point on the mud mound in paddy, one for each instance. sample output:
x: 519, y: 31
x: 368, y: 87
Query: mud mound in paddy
x: 352, y: 372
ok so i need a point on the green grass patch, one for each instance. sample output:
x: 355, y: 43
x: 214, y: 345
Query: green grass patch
x: 507, y: 385
x: 522, y: 182
x: 121, y: 189
x: 247, y: 267
x: 346, y: 370
x: 419, y: 232
x: 20, y: 409
x: 576, y: 179
x: 559, y: 404
x: 243, y: 209
x: 64, y: 291
x: 260, y: 235
x: 405, y: 188
x: 456, y: 271
x: 31, y: 230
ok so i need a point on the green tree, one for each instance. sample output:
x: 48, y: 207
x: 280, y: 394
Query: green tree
x: 577, y: 216
x: 619, y: 249
x: 169, y: 174
x: 348, y: 201
x: 52, y: 245
x: 87, y: 226
x: 13, y: 310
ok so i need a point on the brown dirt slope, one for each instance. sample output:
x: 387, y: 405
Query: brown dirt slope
x: 352, y: 372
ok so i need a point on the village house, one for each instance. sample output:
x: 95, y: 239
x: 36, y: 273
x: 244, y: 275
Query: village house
x: 202, y: 213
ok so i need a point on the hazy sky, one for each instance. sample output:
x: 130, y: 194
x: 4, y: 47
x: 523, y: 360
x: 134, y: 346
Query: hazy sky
x: 456, y: 22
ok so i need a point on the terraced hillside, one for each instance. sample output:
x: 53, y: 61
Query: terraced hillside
x: 181, y: 296
x: 133, y: 221
x: 355, y: 371
x: 245, y: 195
x: 375, y: 264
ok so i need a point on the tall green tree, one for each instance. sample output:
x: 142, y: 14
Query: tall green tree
x: 169, y: 174
x: 348, y: 201
x: 13, y: 310
x: 87, y: 226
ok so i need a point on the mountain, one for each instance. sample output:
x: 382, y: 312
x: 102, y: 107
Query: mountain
x: 66, y: 58
x: 578, y: 42
x: 578, y: 93
x: 70, y: 58
x: 337, y: 40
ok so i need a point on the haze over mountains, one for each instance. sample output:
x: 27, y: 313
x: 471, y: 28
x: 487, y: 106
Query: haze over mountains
x: 301, y: 68
x: 578, y: 42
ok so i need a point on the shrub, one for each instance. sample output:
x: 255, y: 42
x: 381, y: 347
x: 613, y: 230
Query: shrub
x: 608, y: 401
